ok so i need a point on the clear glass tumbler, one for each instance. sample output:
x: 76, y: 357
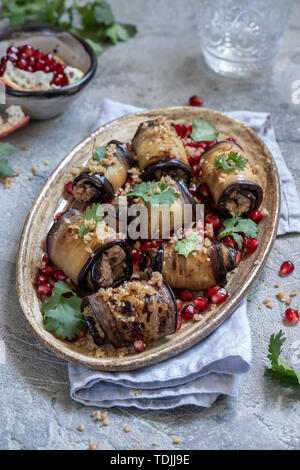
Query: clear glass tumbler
x: 240, y: 38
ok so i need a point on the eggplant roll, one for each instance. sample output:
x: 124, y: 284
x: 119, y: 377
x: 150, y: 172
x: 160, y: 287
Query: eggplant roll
x: 99, y: 181
x: 236, y: 192
x: 201, y: 269
x: 136, y: 310
x: 157, y: 216
x: 98, y: 260
x: 160, y: 152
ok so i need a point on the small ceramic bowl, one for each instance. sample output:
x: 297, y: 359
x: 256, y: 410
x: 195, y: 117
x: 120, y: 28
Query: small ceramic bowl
x: 71, y: 48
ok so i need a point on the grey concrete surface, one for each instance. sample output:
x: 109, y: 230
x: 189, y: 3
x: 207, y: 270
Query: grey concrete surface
x: 161, y: 66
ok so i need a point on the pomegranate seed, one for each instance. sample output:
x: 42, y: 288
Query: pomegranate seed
x: 77, y: 337
x: 231, y: 139
x: 139, y: 345
x: 146, y: 244
x: 48, y: 270
x: 181, y: 130
x: 13, y: 58
x: 54, y: 66
x: 189, y: 129
x: 28, y: 49
x: 38, y: 54
x: 229, y: 241
x: 196, y: 158
x: 58, y: 215
x: 47, y: 69
x: 255, y: 215
x: 210, y: 291
x: 214, y: 220
x: 60, y: 68
x: 22, y: 64
x: 195, y: 101
x: 179, y: 322
x: 238, y: 257
x: 185, y: 295
x: 23, y: 55
x: 30, y: 68
x: 193, y: 189
x: 136, y: 255
x: 179, y: 304
x: 190, y: 160
x: 201, y: 303
x: 45, y: 259
x: 188, y: 311
x: 219, y: 296
x: 204, y: 144
x: 203, y: 191
x: 40, y: 64
x: 45, y: 289
x: 292, y: 315
x: 286, y: 268
x: 41, y: 279
x: 251, y: 244
x: 48, y: 58
x: 58, y: 276
x: 196, y: 170
x: 12, y: 50
x: 2, y: 70
x: 68, y: 187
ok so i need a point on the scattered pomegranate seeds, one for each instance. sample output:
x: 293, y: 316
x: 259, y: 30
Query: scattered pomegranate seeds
x: 201, y: 303
x: 195, y: 101
x: 139, y: 345
x: 255, y: 215
x: 216, y: 294
x: 211, y: 290
x: 45, y: 289
x: 251, y: 244
x: 181, y: 130
x: 146, y: 244
x: 214, y: 220
x: 185, y: 295
x: 58, y: 276
x: 68, y: 187
x: 230, y: 241
x: 179, y: 304
x: 193, y: 189
x: 196, y: 170
x: 238, y: 257
x: 136, y: 255
x: 286, y: 268
x: 45, y: 259
x: 48, y: 270
x: 231, y: 139
x: 57, y: 216
x: 292, y: 315
x: 190, y: 160
x: 203, y: 191
x: 188, y: 311
x: 179, y: 323
x: 31, y: 60
x: 41, y: 279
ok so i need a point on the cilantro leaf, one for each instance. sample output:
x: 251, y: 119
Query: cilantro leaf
x: 233, y: 161
x: 120, y: 32
x: 91, y: 213
x: 95, y: 45
x: 187, y: 245
x: 5, y: 168
x: 156, y: 194
x: 103, y: 13
x: 237, y: 224
x: 280, y: 371
x: 99, y: 153
x: 62, y: 315
x: 203, y: 130
x: 6, y: 149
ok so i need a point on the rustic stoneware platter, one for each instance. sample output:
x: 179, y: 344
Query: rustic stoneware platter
x: 51, y: 200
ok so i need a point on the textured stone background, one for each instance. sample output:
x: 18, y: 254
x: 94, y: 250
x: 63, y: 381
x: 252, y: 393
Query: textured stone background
x: 161, y: 66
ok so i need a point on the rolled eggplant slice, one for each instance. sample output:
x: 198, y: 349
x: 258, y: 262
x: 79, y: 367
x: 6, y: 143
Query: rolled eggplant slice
x: 98, y: 181
x: 101, y: 260
x: 201, y: 269
x: 160, y: 152
x: 93, y: 325
x: 135, y: 310
x: 236, y: 192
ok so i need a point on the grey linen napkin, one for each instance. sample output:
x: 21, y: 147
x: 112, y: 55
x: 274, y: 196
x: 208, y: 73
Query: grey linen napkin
x: 215, y: 365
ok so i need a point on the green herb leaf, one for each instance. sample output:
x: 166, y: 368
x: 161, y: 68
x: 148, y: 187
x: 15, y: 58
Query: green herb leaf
x: 281, y: 371
x: 187, y: 245
x: 6, y: 149
x: 96, y: 213
x: 120, y: 32
x: 155, y: 193
x: 233, y: 161
x: 95, y: 45
x: 99, y: 153
x: 62, y: 315
x: 5, y: 168
x: 203, y: 130
x: 237, y: 224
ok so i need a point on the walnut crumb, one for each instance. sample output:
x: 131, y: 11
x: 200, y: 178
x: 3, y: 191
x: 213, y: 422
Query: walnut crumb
x: 281, y: 296
x: 24, y: 147
x: 293, y: 293
x: 46, y: 162
x: 30, y: 177
x: 135, y: 393
x: 267, y: 299
x: 269, y: 305
x: 93, y: 446
x: 197, y: 317
x: 80, y: 428
x: 288, y: 301
x: 176, y: 440
x: 105, y: 422
x: 127, y: 428
x: 155, y: 443
x: 265, y: 212
x: 277, y: 285
x: 34, y: 169
x: 249, y: 299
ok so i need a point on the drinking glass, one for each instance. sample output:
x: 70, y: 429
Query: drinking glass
x: 240, y: 38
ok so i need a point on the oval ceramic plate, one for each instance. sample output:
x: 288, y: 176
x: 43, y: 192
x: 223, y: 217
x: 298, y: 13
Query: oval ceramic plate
x: 51, y: 201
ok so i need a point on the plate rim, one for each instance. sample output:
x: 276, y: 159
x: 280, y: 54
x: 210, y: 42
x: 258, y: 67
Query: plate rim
x: 196, y: 336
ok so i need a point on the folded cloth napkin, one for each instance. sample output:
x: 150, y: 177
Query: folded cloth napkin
x: 212, y: 367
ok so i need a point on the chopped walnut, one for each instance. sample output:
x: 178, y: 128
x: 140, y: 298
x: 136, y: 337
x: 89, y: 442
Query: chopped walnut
x: 93, y: 446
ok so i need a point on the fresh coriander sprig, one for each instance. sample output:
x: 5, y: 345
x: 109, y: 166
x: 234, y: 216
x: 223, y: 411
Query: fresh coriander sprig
x: 5, y: 168
x: 187, y: 245
x: 93, y: 214
x: 99, y: 153
x: 62, y: 315
x: 235, y: 225
x: 203, y: 130
x: 281, y: 371
x: 155, y: 193
x: 232, y: 161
